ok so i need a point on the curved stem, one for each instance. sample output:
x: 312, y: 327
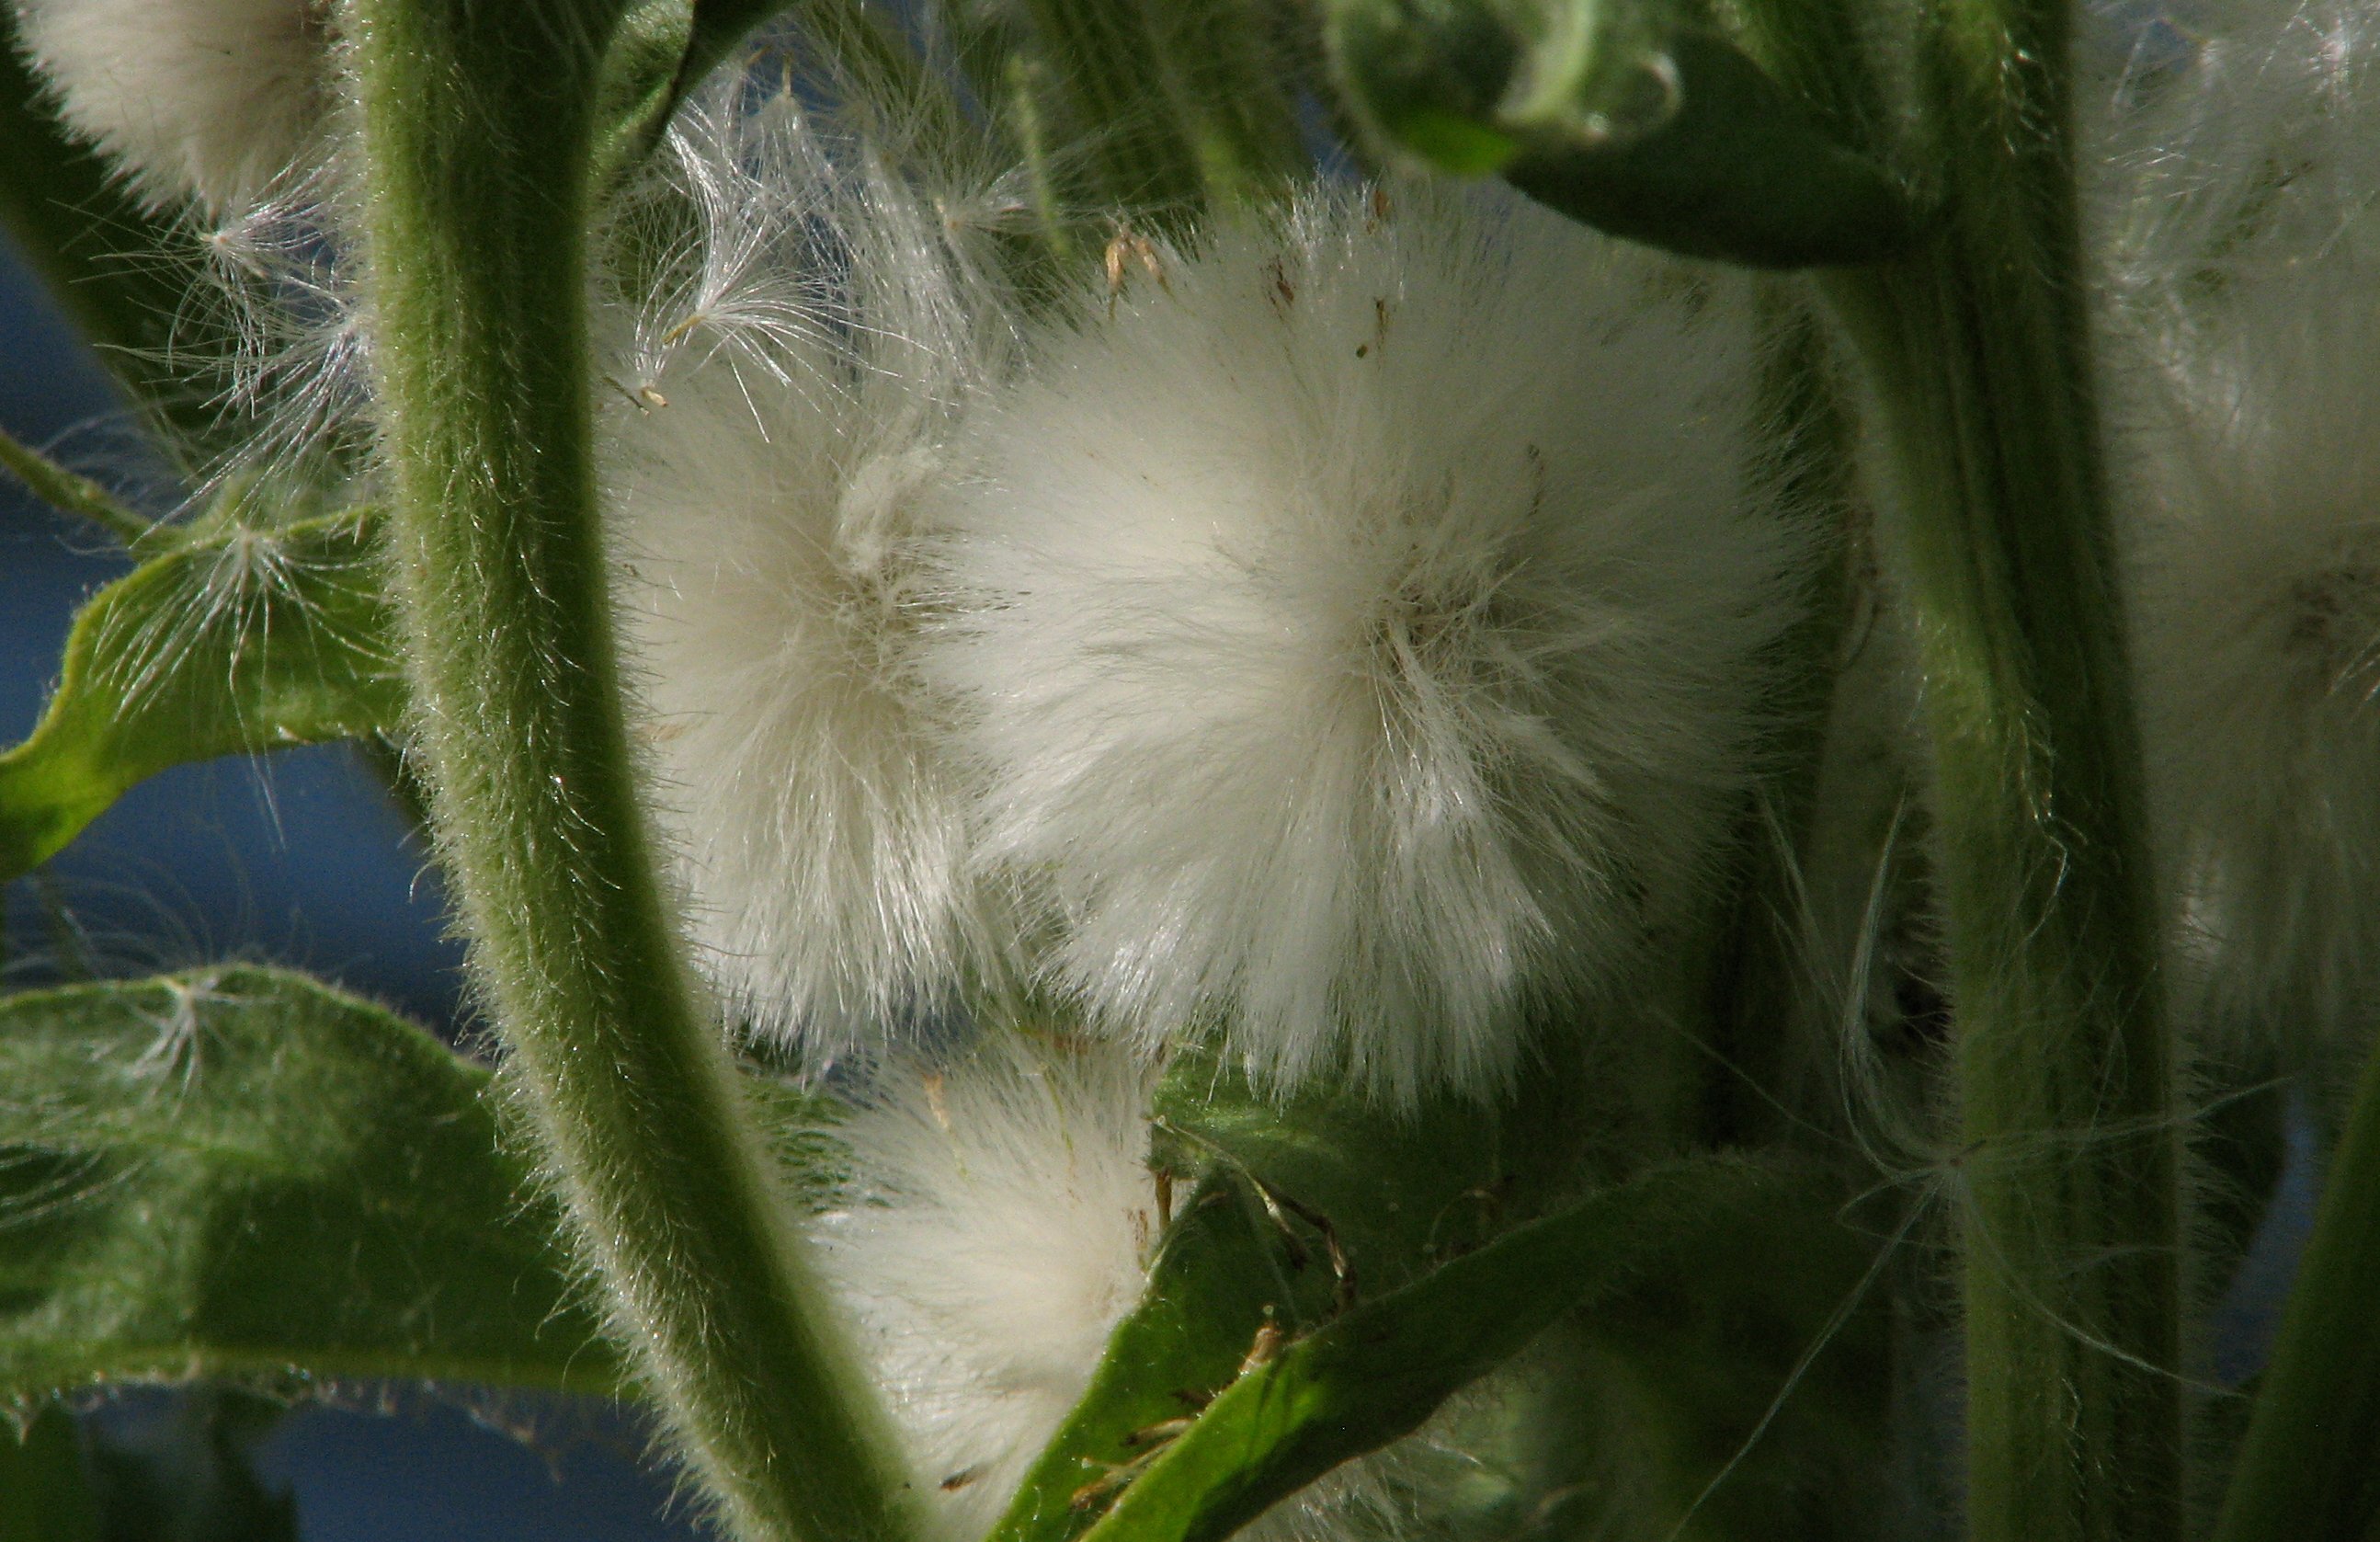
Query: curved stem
x: 478, y: 120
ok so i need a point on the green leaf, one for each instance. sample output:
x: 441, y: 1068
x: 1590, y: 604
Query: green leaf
x: 240, y: 1170
x: 1626, y: 117
x: 1378, y: 1372
x: 660, y: 51
x: 44, y: 1494
x: 1400, y: 1192
x: 1303, y: 1207
x: 1216, y: 1282
x: 234, y: 641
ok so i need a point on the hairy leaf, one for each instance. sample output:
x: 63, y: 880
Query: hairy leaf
x: 1379, y: 1371
x: 1628, y: 117
x: 242, y: 1170
x: 660, y: 50
x: 1216, y: 1284
x: 1303, y: 1208
x: 1400, y: 1192
x: 233, y: 641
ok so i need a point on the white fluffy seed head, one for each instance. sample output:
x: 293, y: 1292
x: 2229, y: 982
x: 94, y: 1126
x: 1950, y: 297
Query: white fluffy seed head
x: 1352, y: 622
x: 998, y: 1220
x: 2232, y: 186
x: 783, y: 396
x: 2257, y: 609
x: 2233, y: 146
x: 996, y: 1225
x: 204, y: 99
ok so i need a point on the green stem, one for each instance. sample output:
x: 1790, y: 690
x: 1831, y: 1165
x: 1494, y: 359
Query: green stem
x: 1999, y: 538
x: 1756, y: 969
x: 2306, y: 1467
x: 478, y: 123
x: 1222, y: 83
x: 69, y: 493
x: 1168, y: 106
x: 1026, y: 84
x: 1098, y: 57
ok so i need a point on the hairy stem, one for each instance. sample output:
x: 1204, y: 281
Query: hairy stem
x: 1999, y: 535
x: 69, y: 493
x: 1097, y: 54
x: 479, y: 119
x: 1755, y: 967
x: 2306, y: 1467
x: 1169, y: 104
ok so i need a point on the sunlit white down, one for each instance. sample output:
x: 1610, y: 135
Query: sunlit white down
x: 205, y: 99
x: 1353, y: 626
x: 778, y: 406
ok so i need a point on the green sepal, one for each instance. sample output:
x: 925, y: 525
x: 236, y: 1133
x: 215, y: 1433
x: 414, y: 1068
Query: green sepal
x: 1379, y: 1371
x: 1629, y: 117
x: 242, y: 1171
x: 235, y: 640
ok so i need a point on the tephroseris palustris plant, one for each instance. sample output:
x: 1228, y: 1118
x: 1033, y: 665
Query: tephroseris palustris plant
x: 1246, y: 727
